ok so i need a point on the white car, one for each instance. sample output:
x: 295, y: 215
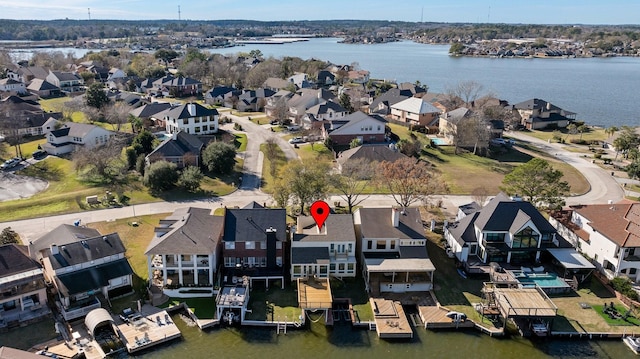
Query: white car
x: 10, y: 163
x: 296, y: 140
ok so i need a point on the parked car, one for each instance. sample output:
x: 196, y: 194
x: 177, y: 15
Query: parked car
x: 274, y: 122
x: 293, y: 128
x: 39, y: 154
x: 10, y: 163
x: 296, y: 140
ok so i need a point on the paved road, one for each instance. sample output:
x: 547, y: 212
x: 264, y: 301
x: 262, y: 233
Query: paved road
x: 603, y: 187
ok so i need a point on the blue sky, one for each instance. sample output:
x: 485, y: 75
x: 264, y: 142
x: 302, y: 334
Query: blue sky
x: 500, y: 11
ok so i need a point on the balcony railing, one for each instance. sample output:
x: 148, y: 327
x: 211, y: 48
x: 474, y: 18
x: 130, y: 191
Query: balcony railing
x: 74, y: 312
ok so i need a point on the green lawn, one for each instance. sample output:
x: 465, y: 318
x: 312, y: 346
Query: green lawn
x: 278, y: 161
x: 203, y: 308
x: 353, y: 288
x: 274, y: 304
x: 240, y: 142
x: 592, y: 134
x: 631, y: 320
x: 314, y: 153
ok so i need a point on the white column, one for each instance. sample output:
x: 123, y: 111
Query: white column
x: 179, y: 269
x: 211, y: 269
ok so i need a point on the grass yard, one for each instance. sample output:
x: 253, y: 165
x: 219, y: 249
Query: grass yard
x: 278, y: 161
x: 283, y: 301
x: 621, y: 310
x: 592, y: 134
x: 259, y: 118
x: 24, y: 338
x: 353, y: 288
x: 240, y: 142
x: 203, y: 308
x: 314, y: 153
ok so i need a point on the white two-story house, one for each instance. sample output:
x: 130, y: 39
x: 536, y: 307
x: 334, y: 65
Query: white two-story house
x: 609, y: 234
x: 393, y: 250
x: 328, y: 251
x: 191, y: 118
x: 83, y: 266
x: 72, y: 135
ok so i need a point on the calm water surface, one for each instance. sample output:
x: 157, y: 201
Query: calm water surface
x: 343, y: 342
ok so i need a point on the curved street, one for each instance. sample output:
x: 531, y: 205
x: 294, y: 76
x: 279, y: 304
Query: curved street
x: 604, y: 187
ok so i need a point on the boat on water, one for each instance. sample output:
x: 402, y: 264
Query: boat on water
x: 540, y: 329
x: 633, y: 343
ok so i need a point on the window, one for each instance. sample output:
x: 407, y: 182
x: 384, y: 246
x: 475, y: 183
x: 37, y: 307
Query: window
x: 278, y: 245
x: 323, y: 270
x: 249, y: 245
x: 251, y: 261
x: 263, y: 261
x: 332, y: 267
x: 350, y: 247
x: 263, y: 245
x: 350, y: 267
x: 526, y: 238
x: 340, y: 267
x: 369, y: 244
x: 633, y: 271
x: 381, y: 244
x: 197, y: 129
x: 494, y: 237
x: 297, y: 270
x: 229, y: 262
x: 332, y: 247
x: 279, y: 261
x: 392, y: 245
x: 229, y: 245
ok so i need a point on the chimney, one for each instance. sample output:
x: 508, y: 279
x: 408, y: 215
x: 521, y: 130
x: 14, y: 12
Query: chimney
x: 191, y: 107
x: 395, y: 217
x: 54, y: 249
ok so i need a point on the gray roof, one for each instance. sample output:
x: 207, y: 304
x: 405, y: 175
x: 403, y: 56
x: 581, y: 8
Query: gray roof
x: 337, y: 228
x: 251, y: 224
x: 502, y: 213
x: 458, y: 115
x: 470, y: 208
x: 15, y: 259
x: 75, y: 129
x: 322, y: 108
x: 354, y: 119
x: 149, y: 110
x: 63, y: 234
x: 190, y: 231
x: 92, y: 278
x: 371, y: 153
x: 178, y: 145
x: 182, y: 111
x: 66, y: 76
x: 463, y: 231
x: 85, y: 250
x: 377, y: 223
x: 391, y: 97
x: 306, y: 255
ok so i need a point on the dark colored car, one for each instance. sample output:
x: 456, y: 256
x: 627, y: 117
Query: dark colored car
x: 39, y: 154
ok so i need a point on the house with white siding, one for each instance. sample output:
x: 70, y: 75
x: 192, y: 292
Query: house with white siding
x: 191, y: 118
x: 73, y: 135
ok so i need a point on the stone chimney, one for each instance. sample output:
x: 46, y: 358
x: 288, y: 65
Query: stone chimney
x: 54, y: 249
x: 395, y: 217
x: 191, y: 107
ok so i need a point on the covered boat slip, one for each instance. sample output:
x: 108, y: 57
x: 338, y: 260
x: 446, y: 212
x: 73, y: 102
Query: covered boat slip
x: 391, y: 320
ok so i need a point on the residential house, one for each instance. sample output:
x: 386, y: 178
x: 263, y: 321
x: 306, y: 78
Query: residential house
x: 326, y: 111
x: 68, y: 82
x: 304, y: 99
x: 300, y: 80
x: 358, y: 76
x: 451, y: 122
x: 369, y: 153
x: 182, y: 148
x: 609, y: 234
x: 325, y: 78
x: 254, y: 242
x: 415, y: 111
x: 215, y: 96
x: 83, y: 265
x: 25, y: 74
x: 72, y: 135
x: 23, y: 295
x: 185, y: 252
x: 277, y: 105
x: 253, y: 100
x: 382, y: 104
x: 276, y: 84
x: 358, y: 125
x: 538, y: 114
x: 191, y: 118
x: 505, y: 230
x: 24, y: 117
x: 443, y: 102
x: 116, y: 73
x: 43, y: 88
x: 324, y: 252
x: 393, y: 250
x: 150, y: 114
x: 11, y: 85
x: 415, y: 89
x: 176, y: 86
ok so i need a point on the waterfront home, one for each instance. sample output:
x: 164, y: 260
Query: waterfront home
x: 254, y: 241
x: 82, y: 266
x: 393, y: 250
x: 358, y: 76
x: 452, y: 122
x: 538, y: 114
x: 414, y: 89
x: 300, y: 80
x: 358, y: 125
x: 370, y: 154
x: 73, y: 135
x: 25, y: 74
x: 325, y: 78
x: 505, y: 230
x: 185, y: 252
x: 608, y: 234
x: 326, y: 251
x: 191, y: 118
x: 43, y: 88
x: 24, y: 296
x: 415, y: 111
x: 181, y: 148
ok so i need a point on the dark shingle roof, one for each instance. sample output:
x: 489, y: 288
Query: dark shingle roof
x: 15, y: 259
x: 337, y: 228
x: 463, y: 231
x: 251, y: 224
x: 501, y: 213
x: 371, y: 153
x: 190, y: 231
x: 63, y: 234
x: 183, y: 111
x: 92, y: 278
x: 85, y: 250
x: 307, y: 255
x: 178, y: 145
x: 377, y: 223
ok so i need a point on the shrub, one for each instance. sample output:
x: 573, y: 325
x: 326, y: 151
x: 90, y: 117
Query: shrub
x: 623, y: 285
x: 597, y: 156
x: 161, y: 176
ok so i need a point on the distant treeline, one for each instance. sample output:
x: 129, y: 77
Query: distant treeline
x: 70, y: 30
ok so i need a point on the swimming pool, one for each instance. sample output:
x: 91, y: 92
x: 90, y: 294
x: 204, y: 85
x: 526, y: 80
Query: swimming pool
x: 549, y: 282
x: 439, y: 141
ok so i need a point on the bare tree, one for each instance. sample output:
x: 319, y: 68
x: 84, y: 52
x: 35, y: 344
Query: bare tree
x: 281, y: 110
x: 409, y: 180
x: 272, y: 153
x: 352, y: 181
x: 104, y: 161
x: 469, y: 91
x: 480, y: 195
x: 473, y: 131
x: 116, y: 114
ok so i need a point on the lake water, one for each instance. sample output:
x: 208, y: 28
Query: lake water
x: 602, y: 91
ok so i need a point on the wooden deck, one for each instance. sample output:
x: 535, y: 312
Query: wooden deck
x: 155, y: 327
x: 524, y: 302
x: 391, y: 320
x: 435, y: 317
x: 314, y: 293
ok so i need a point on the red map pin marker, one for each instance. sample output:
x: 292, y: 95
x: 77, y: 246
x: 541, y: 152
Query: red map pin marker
x: 320, y: 212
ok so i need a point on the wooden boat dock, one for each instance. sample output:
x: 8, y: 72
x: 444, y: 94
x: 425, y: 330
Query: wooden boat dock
x: 391, y: 320
x: 435, y: 317
x: 154, y: 327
